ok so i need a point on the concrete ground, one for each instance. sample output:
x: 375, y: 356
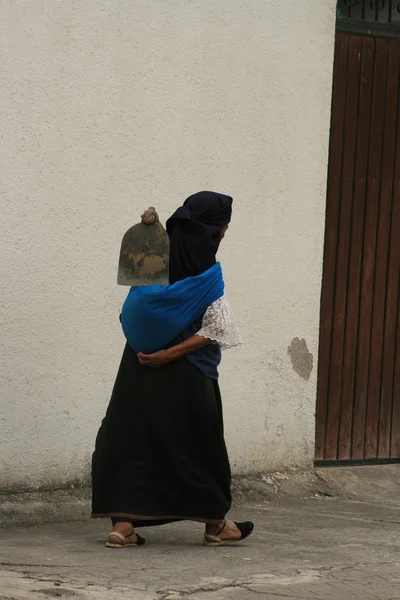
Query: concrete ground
x: 307, y: 548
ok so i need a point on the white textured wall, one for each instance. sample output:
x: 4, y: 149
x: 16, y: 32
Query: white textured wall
x: 107, y: 107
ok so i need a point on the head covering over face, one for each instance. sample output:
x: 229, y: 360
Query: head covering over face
x: 195, y: 234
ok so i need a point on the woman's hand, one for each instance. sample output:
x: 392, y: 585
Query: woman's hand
x: 163, y: 357
x: 155, y: 360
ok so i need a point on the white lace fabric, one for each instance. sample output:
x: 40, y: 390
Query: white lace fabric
x: 220, y: 325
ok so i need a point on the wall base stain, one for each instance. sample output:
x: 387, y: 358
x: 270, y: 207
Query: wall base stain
x: 302, y: 359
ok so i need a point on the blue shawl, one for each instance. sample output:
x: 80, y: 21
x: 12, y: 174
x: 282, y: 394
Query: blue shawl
x: 154, y: 315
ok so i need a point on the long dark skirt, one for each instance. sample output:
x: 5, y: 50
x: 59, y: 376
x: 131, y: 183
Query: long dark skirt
x: 160, y: 453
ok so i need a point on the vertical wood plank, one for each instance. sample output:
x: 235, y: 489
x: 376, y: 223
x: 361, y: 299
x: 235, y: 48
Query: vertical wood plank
x: 340, y: 292
x: 332, y: 211
x: 356, y: 241
x: 369, y: 247
x: 384, y: 175
x: 395, y: 425
x: 390, y: 171
x: 394, y: 281
x: 335, y: 402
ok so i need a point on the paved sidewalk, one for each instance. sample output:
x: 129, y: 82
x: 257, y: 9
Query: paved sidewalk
x: 310, y: 549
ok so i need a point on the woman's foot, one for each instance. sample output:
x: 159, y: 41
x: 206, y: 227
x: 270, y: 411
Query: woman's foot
x: 123, y: 536
x: 227, y: 532
x: 123, y: 527
x: 224, y: 530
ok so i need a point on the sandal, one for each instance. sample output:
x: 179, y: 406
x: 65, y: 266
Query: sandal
x: 117, y: 540
x: 245, y: 529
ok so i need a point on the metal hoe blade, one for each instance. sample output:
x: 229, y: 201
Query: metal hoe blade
x: 144, y: 253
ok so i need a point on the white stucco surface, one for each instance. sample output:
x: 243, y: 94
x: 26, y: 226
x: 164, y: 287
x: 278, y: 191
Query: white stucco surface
x: 108, y: 107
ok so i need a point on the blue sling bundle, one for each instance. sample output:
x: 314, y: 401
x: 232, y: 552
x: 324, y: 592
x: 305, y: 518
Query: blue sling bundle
x: 154, y: 315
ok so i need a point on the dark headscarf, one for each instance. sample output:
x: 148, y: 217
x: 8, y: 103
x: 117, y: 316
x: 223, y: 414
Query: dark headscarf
x: 195, y: 234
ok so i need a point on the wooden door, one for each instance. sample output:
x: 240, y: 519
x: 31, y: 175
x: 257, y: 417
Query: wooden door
x: 358, y: 399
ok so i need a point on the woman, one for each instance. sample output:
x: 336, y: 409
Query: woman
x: 160, y: 453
